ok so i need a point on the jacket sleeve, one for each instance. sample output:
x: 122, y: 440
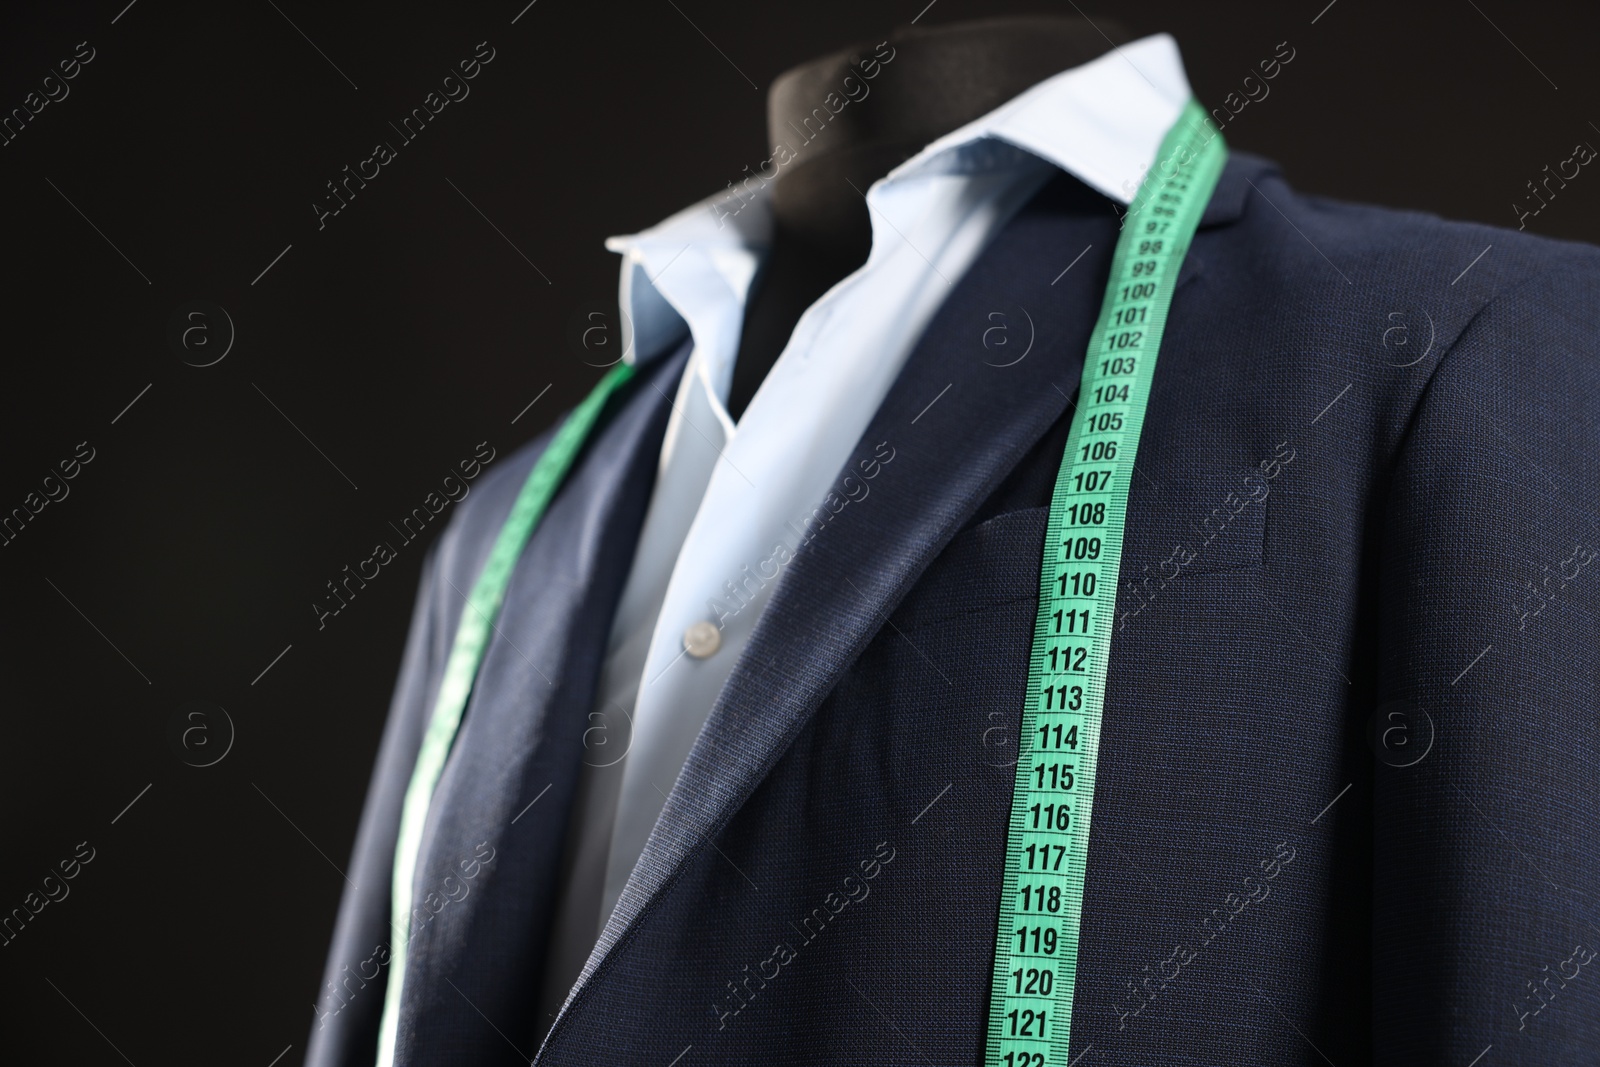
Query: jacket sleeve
x: 1486, y: 887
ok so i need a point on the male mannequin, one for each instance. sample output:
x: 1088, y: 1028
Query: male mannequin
x: 1268, y: 614
x: 941, y: 78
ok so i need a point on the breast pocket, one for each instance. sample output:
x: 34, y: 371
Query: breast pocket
x: 992, y: 564
x: 1205, y: 526
x: 1196, y: 526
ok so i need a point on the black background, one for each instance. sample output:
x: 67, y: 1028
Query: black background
x: 378, y: 351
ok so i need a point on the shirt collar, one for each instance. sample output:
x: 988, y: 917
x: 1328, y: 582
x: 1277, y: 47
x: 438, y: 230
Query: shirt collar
x: 1103, y: 122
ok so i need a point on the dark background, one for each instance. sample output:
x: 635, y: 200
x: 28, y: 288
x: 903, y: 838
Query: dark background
x: 378, y: 351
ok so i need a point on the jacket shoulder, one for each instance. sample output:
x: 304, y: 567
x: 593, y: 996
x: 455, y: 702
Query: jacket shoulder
x: 469, y: 535
x: 1401, y: 248
x: 1358, y: 281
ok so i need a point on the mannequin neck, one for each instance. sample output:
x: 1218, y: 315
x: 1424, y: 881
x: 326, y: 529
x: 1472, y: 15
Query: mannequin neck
x: 848, y: 118
x: 892, y: 99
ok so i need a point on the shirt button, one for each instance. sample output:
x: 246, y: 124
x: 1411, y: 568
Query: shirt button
x: 702, y: 639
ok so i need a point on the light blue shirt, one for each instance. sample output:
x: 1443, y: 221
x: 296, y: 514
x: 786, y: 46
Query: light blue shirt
x: 732, y: 501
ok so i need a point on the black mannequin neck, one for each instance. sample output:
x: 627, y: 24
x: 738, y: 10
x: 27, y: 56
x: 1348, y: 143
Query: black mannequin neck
x: 849, y: 118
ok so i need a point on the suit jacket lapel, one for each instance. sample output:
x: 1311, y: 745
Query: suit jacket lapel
x: 960, y: 416
x: 485, y: 876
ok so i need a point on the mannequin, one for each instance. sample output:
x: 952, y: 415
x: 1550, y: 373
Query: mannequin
x: 939, y: 79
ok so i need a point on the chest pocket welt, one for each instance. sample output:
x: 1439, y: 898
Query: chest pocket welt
x: 1196, y: 526
x: 1219, y: 525
x: 993, y: 563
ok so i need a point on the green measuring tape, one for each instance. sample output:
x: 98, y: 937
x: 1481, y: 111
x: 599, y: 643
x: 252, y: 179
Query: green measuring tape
x: 471, y: 641
x: 1047, y: 843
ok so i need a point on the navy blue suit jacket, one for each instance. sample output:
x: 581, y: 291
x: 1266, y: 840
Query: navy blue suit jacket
x: 1346, y: 808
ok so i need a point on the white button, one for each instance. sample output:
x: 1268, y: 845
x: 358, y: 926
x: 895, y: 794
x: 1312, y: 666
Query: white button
x: 702, y: 639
